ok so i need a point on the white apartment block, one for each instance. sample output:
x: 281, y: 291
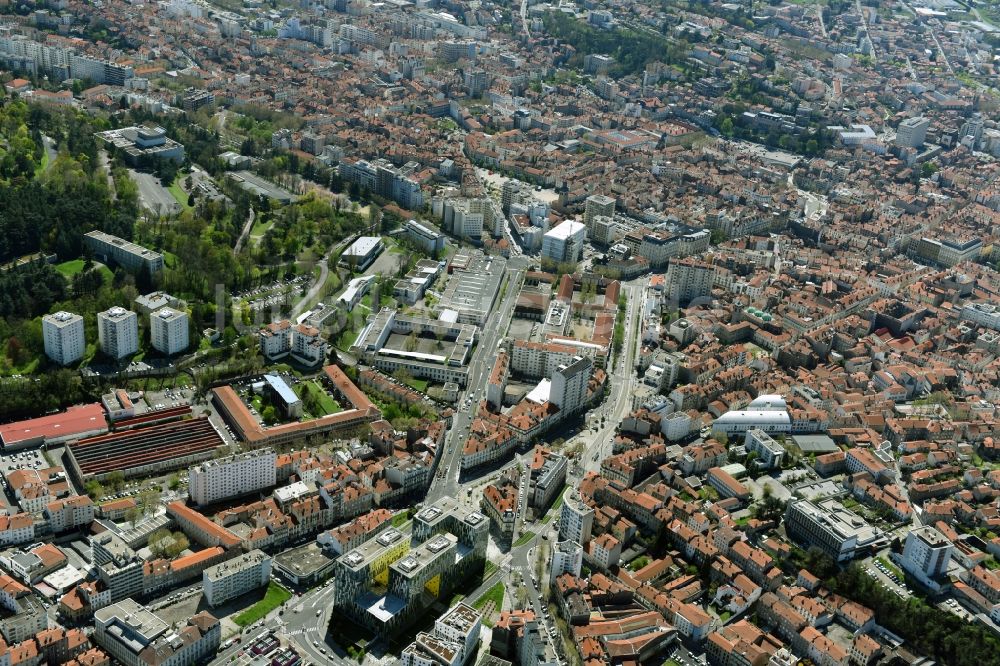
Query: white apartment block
x: 275, y: 339
x: 567, y: 557
x: 168, y: 331
x: 538, y: 359
x: 688, y: 279
x: 70, y: 513
x: 461, y: 625
x: 597, y: 205
x: 309, y: 344
x: 569, y: 384
x: 64, y: 337
x: 215, y: 480
x: 232, y: 578
x: 769, y: 452
x: 926, y: 553
x: 564, y: 243
x: 118, y: 332
x: 576, y: 519
x: 984, y: 314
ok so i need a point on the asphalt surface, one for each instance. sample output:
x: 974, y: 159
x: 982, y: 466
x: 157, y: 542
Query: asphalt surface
x: 445, y: 482
x: 153, y: 195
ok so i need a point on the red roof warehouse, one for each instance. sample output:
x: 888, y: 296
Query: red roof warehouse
x: 79, y: 421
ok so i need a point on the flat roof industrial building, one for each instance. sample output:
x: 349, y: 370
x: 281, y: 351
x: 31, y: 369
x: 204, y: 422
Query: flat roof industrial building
x: 362, y: 252
x: 144, y: 451
x: 78, y: 421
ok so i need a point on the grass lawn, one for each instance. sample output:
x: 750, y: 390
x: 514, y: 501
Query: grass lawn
x: 418, y: 384
x: 489, y: 570
x: 327, y: 405
x: 890, y: 566
x: 75, y: 267
x: 274, y: 597
x: 71, y: 267
x: 725, y: 615
x: 494, y: 595
x: 346, y: 339
x: 178, y: 193
x: 524, y: 538
x: 400, y: 519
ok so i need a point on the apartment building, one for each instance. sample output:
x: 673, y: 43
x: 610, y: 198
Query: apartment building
x: 63, y: 336
x: 424, y: 237
x: 275, y: 339
x: 688, y: 279
x: 564, y: 242
x: 168, y: 331
x: 134, y: 636
x: 467, y: 218
x: 597, y: 205
x: 118, y: 332
x: 548, y: 477
x: 124, y: 253
x: 240, y: 474
x: 769, y: 452
x: 912, y: 132
x: 536, y: 359
x: 70, y: 513
x: 576, y: 519
x: 567, y: 557
x: 926, y: 553
x: 568, y: 389
x: 233, y: 578
x: 118, y: 566
x: 454, y: 641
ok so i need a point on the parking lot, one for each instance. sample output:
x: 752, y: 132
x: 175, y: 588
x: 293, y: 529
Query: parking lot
x: 32, y: 459
x: 261, y: 298
x: 168, y: 398
x: 153, y: 195
x: 888, y: 579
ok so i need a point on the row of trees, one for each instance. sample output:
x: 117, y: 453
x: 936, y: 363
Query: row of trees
x: 927, y: 629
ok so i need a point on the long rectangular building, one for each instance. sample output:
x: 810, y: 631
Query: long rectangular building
x: 125, y: 253
x: 77, y: 421
x: 144, y: 451
x: 254, y: 433
x: 232, y: 476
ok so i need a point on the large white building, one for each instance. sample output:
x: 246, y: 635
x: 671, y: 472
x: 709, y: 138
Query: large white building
x: 233, y: 578
x: 240, y: 474
x: 168, y: 331
x: 984, y: 314
x: 567, y: 557
x: 768, y: 413
x: 569, y: 384
x: 564, y: 243
x: 64, y: 337
x: 453, y: 642
x: 118, y: 332
x: 576, y: 519
x: 124, y: 253
x: 926, y: 553
x: 912, y: 132
x: 833, y: 528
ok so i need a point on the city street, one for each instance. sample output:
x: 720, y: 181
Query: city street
x: 445, y: 482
